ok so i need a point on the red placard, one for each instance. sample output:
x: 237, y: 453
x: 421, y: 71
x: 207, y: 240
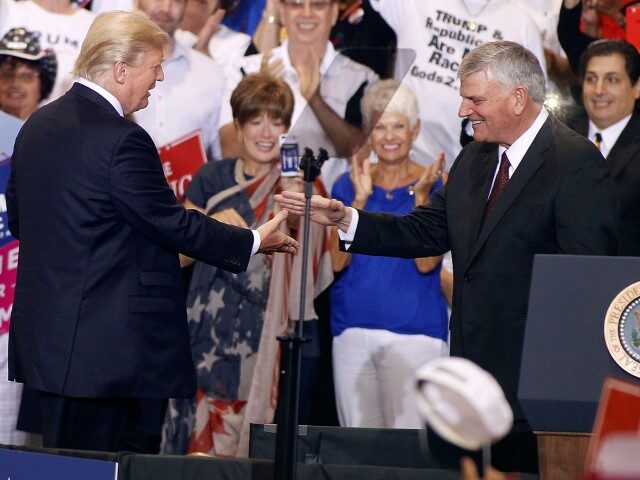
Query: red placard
x: 618, y: 413
x: 181, y: 159
x: 633, y: 26
x: 8, y: 270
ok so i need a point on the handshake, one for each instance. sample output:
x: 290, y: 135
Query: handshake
x: 324, y: 211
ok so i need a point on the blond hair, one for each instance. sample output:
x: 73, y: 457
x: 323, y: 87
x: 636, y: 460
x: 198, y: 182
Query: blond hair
x: 118, y: 37
x: 388, y: 96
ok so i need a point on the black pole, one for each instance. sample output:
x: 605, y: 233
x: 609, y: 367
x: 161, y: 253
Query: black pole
x: 286, y: 459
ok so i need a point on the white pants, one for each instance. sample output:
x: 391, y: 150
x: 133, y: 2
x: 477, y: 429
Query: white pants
x: 374, y: 376
x: 9, y: 401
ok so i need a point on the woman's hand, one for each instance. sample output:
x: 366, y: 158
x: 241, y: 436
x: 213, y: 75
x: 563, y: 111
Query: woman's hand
x: 361, y: 180
x: 425, y: 183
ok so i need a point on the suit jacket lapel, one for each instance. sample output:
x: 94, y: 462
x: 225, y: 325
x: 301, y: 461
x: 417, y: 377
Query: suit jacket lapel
x: 92, y: 96
x: 531, y: 162
x: 583, y: 126
x: 625, y: 147
x: 486, y: 166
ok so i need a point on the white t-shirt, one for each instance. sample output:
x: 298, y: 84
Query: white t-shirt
x: 341, y: 79
x: 187, y: 100
x: 99, y: 6
x: 62, y: 33
x: 545, y: 13
x: 439, y: 33
x: 226, y: 46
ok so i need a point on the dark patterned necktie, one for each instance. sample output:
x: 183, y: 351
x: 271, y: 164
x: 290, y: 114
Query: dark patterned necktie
x: 498, y: 186
x: 598, y: 140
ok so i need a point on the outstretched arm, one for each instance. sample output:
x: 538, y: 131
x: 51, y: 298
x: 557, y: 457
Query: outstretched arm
x: 325, y: 211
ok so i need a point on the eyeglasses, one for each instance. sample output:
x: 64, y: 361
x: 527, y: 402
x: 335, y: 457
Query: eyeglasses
x: 23, y: 77
x: 317, y: 5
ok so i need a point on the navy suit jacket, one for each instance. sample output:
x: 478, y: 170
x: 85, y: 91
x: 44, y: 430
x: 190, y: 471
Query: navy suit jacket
x: 99, y: 309
x: 559, y: 200
x: 624, y: 162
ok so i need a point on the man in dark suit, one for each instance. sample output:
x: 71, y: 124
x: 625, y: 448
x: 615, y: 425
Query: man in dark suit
x: 550, y: 193
x: 99, y: 318
x: 610, y: 73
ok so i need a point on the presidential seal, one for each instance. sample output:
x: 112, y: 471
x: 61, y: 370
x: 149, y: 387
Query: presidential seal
x: 622, y: 329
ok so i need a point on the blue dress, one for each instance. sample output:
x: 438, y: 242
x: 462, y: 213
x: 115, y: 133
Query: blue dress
x: 387, y: 293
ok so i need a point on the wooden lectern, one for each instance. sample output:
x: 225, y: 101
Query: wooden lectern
x: 565, y: 359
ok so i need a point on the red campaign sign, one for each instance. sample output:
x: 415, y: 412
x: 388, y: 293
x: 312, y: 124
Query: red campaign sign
x: 181, y: 159
x: 618, y: 413
x: 8, y: 270
x: 633, y: 26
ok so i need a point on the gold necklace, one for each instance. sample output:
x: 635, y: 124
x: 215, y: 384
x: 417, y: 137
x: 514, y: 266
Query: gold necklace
x: 473, y: 23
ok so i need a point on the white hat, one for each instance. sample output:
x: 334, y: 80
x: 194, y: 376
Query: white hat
x: 462, y: 402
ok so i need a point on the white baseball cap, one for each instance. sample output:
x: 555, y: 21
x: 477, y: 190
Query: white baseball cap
x: 463, y: 403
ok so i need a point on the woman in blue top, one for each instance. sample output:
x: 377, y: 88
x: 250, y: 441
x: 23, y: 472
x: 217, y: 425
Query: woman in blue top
x: 388, y: 315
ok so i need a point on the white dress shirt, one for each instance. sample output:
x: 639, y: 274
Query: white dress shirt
x: 609, y: 135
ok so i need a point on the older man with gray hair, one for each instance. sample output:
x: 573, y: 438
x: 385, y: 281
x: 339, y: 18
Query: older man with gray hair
x: 99, y: 318
x: 526, y: 185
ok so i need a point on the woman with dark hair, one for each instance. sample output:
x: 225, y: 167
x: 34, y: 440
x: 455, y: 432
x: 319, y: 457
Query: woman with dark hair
x: 27, y: 73
x: 234, y: 319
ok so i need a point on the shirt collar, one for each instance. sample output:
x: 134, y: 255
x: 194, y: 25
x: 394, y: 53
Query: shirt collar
x: 610, y: 134
x: 518, y: 149
x: 327, y: 59
x: 109, y: 97
x: 178, y: 52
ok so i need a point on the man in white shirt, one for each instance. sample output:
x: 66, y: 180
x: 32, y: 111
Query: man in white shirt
x: 518, y: 190
x: 202, y: 29
x: 189, y: 99
x: 327, y: 86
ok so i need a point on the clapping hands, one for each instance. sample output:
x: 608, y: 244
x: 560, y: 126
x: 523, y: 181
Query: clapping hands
x: 429, y: 177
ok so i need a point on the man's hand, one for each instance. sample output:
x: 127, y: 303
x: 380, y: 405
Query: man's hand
x: 273, y: 240
x: 324, y: 211
x: 309, y: 74
x: 211, y: 26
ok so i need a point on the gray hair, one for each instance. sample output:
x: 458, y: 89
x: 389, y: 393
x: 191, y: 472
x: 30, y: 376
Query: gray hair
x: 389, y: 96
x: 118, y: 37
x: 509, y: 63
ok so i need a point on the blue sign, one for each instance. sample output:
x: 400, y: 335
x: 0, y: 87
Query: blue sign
x: 19, y: 465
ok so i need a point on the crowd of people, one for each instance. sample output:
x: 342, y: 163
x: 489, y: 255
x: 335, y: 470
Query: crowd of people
x: 464, y: 137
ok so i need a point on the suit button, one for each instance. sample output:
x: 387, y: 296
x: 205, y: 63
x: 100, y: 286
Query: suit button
x: 467, y: 277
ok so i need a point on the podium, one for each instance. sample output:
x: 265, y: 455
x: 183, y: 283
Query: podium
x: 565, y: 358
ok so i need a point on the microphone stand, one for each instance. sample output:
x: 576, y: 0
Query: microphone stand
x: 286, y: 459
